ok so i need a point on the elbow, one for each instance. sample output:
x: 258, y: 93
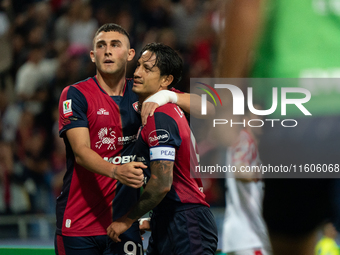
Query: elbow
x: 162, y: 191
x: 167, y: 187
x: 78, y: 159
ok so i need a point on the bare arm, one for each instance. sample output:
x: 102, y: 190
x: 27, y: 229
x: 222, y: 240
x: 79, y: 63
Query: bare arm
x: 191, y: 103
x: 183, y: 101
x: 130, y: 174
x: 243, y: 19
x: 157, y: 187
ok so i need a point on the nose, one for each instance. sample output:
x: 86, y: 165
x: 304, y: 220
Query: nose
x: 136, y: 73
x: 108, y: 51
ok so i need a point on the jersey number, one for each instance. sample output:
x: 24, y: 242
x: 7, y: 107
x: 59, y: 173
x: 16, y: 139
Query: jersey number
x: 130, y: 248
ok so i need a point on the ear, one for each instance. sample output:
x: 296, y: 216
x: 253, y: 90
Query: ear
x: 92, y: 56
x: 131, y: 54
x: 166, y: 81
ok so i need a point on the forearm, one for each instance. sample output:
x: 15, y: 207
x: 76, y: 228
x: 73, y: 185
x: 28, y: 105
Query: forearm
x: 243, y: 19
x: 191, y: 103
x: 91, y: 160
x: 150, y: 198
x: 157, y: 187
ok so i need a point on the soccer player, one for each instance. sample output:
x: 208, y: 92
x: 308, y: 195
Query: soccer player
x: 244, y: 229
x: 99, y: 121
x: 182, y: 222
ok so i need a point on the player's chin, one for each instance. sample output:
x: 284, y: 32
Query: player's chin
x: 137, y: 88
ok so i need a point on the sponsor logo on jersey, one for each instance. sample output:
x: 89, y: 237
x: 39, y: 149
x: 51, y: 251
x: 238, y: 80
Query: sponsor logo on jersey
x: 158, y: 136
x: 145, y: 179
x: 126, y: 139
x: 102, y: 111
x: 67, y: 108
x: 68, y: 223
x: 120, y: 159
x: 135, y: 106
x: 106, y: 137
x: 141, y: 159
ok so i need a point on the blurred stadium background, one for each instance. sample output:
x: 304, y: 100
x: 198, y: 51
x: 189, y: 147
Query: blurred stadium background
x: 44, y: 46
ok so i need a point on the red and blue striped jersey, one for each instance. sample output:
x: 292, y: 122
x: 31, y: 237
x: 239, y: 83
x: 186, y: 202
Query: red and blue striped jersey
x: 89, y: 201
x: 167, y: 136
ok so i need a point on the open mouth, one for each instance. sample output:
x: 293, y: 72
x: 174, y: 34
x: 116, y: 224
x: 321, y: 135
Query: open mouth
x: 108, y: 61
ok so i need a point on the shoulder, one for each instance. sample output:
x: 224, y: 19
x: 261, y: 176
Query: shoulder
x: 170, y: 109
x: 84, y: 84
x: 78, y: 92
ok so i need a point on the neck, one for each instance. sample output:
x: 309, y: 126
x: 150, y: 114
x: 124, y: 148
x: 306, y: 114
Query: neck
x: 113, y: 85
x: 141, y: 99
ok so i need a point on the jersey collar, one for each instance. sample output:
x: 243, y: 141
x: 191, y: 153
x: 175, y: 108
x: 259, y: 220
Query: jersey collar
x: 96, y: 81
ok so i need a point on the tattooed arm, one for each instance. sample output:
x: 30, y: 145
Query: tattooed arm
x: 157, y: 187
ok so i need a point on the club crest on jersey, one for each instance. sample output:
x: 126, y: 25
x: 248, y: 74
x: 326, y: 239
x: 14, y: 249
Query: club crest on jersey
x: 158, y: 136
x: 106, y: 137
x: 67, y: 108
x: 135, y: 106
x: 102, y: 111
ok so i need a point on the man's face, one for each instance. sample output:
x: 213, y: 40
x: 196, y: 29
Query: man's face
x: 111, y: 52
x: 147, y: 76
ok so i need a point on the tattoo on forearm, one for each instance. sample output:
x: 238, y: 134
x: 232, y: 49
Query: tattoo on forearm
x: 161, y: 179
x: 114, y: 173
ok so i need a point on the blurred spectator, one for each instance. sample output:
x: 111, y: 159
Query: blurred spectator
x: 63, y: 22
x: 167, y: 36
x: 58, y: 157
x: 5, y: 47
x: 32, y: 152
x: 201, y: 49
x: 155, y: 14
x: 6, y: 168
x: 82, y: 30
x: 35, y: 73
x: 327, y: 244
x: 184, y: 19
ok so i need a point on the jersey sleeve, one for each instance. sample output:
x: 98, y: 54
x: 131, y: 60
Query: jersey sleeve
x: 72, y: 110
x: 176, y: 90
x: 244, y: 153
x: 161, y: 134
